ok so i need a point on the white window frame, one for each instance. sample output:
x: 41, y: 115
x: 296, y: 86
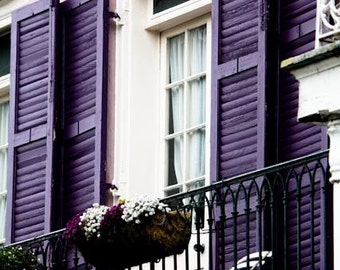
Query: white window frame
x: 4, y: 97
x: 5, y: 20
x: 203, y: 20
x: 176, y: 15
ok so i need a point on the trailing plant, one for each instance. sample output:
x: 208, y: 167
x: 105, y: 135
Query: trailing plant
x: 17, y: 258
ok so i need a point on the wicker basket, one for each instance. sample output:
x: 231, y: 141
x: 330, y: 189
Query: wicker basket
x: 158, y: 236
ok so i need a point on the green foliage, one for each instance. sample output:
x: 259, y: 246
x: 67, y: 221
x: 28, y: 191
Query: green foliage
x: 17, y: 258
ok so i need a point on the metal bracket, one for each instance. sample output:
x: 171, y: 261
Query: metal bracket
x: 114, y: 15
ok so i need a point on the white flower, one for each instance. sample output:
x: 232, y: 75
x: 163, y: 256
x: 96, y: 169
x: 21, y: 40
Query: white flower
x: 134, y: 209
x: 91, y: 218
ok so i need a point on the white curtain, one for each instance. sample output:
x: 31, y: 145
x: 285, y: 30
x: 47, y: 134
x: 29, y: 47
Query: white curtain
x: 195, y: 112
x: 197, y: 45
x: 4, y: 114
x: 176, y: 112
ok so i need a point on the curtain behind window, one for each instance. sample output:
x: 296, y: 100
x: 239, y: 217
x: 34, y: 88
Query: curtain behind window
x: 197, y: 48
x: 3, y: 164
x: 176, y: 108
x: 187, y: 101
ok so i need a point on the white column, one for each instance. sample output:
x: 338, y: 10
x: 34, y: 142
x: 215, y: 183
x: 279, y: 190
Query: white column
x: 334, y: 163
x: 336, y: 225
x: 334, y: 150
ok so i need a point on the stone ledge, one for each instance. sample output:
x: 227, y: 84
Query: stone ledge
x: 312, y: 57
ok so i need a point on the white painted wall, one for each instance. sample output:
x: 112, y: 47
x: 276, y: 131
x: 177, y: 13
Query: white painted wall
x: 137, y: 113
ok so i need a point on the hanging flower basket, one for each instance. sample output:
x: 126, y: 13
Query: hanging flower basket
x: 129, y: 233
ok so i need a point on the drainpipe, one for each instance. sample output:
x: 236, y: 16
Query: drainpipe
x: 318, y: 73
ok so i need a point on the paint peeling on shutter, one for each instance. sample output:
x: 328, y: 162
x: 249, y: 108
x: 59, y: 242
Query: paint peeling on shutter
x: 32, y: 121
x: 84, y: 104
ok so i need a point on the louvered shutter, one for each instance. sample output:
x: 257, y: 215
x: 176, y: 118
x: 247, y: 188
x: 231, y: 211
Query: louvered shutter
x: 32, y: 121
x: 299, y: 139
x: 297, y: 37
x: 84, y: 104
x: 238, y: 87
x: 238, y: 116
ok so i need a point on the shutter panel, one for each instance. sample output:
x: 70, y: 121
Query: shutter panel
x: 30, y: 161
x: 299, y: 139
x: 238, y: 97
x: 238, y: 87
x: 297, y: 37
x: 84, y: 103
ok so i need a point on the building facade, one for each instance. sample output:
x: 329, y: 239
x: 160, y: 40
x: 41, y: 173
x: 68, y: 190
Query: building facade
x: 164, y: 98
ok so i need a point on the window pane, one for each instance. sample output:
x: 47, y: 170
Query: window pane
x: 197, y: 184
x: 175, y: 161
x: 4, y: 54
x: 3, y: 169
x: 176, y: 109
x: 197, y: 102
x: 173, y: 191
x: 197, y: 153
x: 197, y: 50
x: 176, y: 58
x: 4, y: 114
x: 4, y: 111
x: 2, y: 217
x: 160, y: 5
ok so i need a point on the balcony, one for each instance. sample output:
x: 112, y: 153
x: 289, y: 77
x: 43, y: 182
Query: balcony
x: 282, y: 212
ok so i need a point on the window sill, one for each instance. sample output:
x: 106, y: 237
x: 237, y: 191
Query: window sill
x: 178, y: 15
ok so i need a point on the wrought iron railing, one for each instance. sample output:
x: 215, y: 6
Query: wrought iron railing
x: 282, y: 212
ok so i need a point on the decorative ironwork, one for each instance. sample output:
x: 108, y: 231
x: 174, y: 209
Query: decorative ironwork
x: 284, y: 210
x: 329, y: 20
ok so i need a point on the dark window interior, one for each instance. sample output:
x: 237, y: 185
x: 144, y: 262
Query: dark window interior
x: 4, y: 54
x: 160, y: 5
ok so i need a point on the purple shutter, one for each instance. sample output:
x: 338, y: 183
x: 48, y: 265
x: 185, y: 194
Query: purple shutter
x: 299, y: 139
x: 237, y: 87
x: 84, y: 104
x: 238, y: 116
x: 297, y: 36
x: 32, y: 121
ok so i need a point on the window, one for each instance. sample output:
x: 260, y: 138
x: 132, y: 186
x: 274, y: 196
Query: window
x: 186, y: 108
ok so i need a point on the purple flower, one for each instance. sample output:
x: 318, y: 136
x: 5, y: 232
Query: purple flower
x: 112, y: 217
x: 72, y: 227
